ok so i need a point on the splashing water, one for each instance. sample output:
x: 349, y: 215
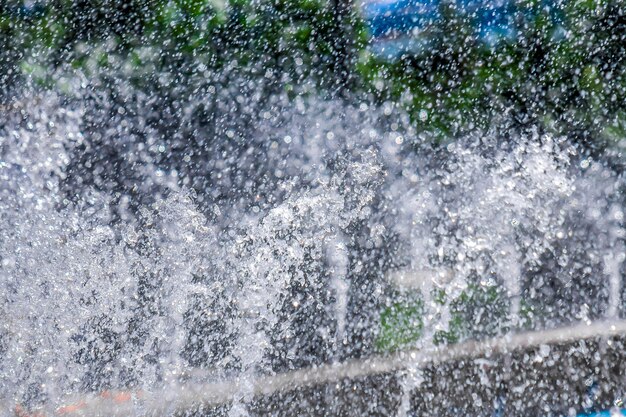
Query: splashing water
x: 96, y: 294
x: 496, y: 214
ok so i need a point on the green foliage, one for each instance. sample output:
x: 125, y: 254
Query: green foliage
x: 401, y: 325
x: 564, y: 74
x: 479, y: 311
x: 292, y: 37
x: 568, y: 70
x: 527, y: 315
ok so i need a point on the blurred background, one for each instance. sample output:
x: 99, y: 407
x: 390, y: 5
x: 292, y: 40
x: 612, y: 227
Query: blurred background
x: 455, y: 66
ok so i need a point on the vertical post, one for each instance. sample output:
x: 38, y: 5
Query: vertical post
x: 613, y: 268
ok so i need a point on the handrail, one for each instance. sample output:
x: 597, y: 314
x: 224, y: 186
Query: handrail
x: 184, y: 397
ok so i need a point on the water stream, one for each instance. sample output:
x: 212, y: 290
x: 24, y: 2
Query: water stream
x: 288, y: 254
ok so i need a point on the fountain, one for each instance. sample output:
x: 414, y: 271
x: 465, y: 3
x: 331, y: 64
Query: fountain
x: 95, y: 301
x: 225, y: 247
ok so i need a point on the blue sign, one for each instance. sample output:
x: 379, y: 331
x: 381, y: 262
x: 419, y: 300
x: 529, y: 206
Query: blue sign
x: 605, y: 413
x: 401, y: 27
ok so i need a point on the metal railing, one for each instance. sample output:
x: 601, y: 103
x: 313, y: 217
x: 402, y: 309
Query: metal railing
x: 179, y: 398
